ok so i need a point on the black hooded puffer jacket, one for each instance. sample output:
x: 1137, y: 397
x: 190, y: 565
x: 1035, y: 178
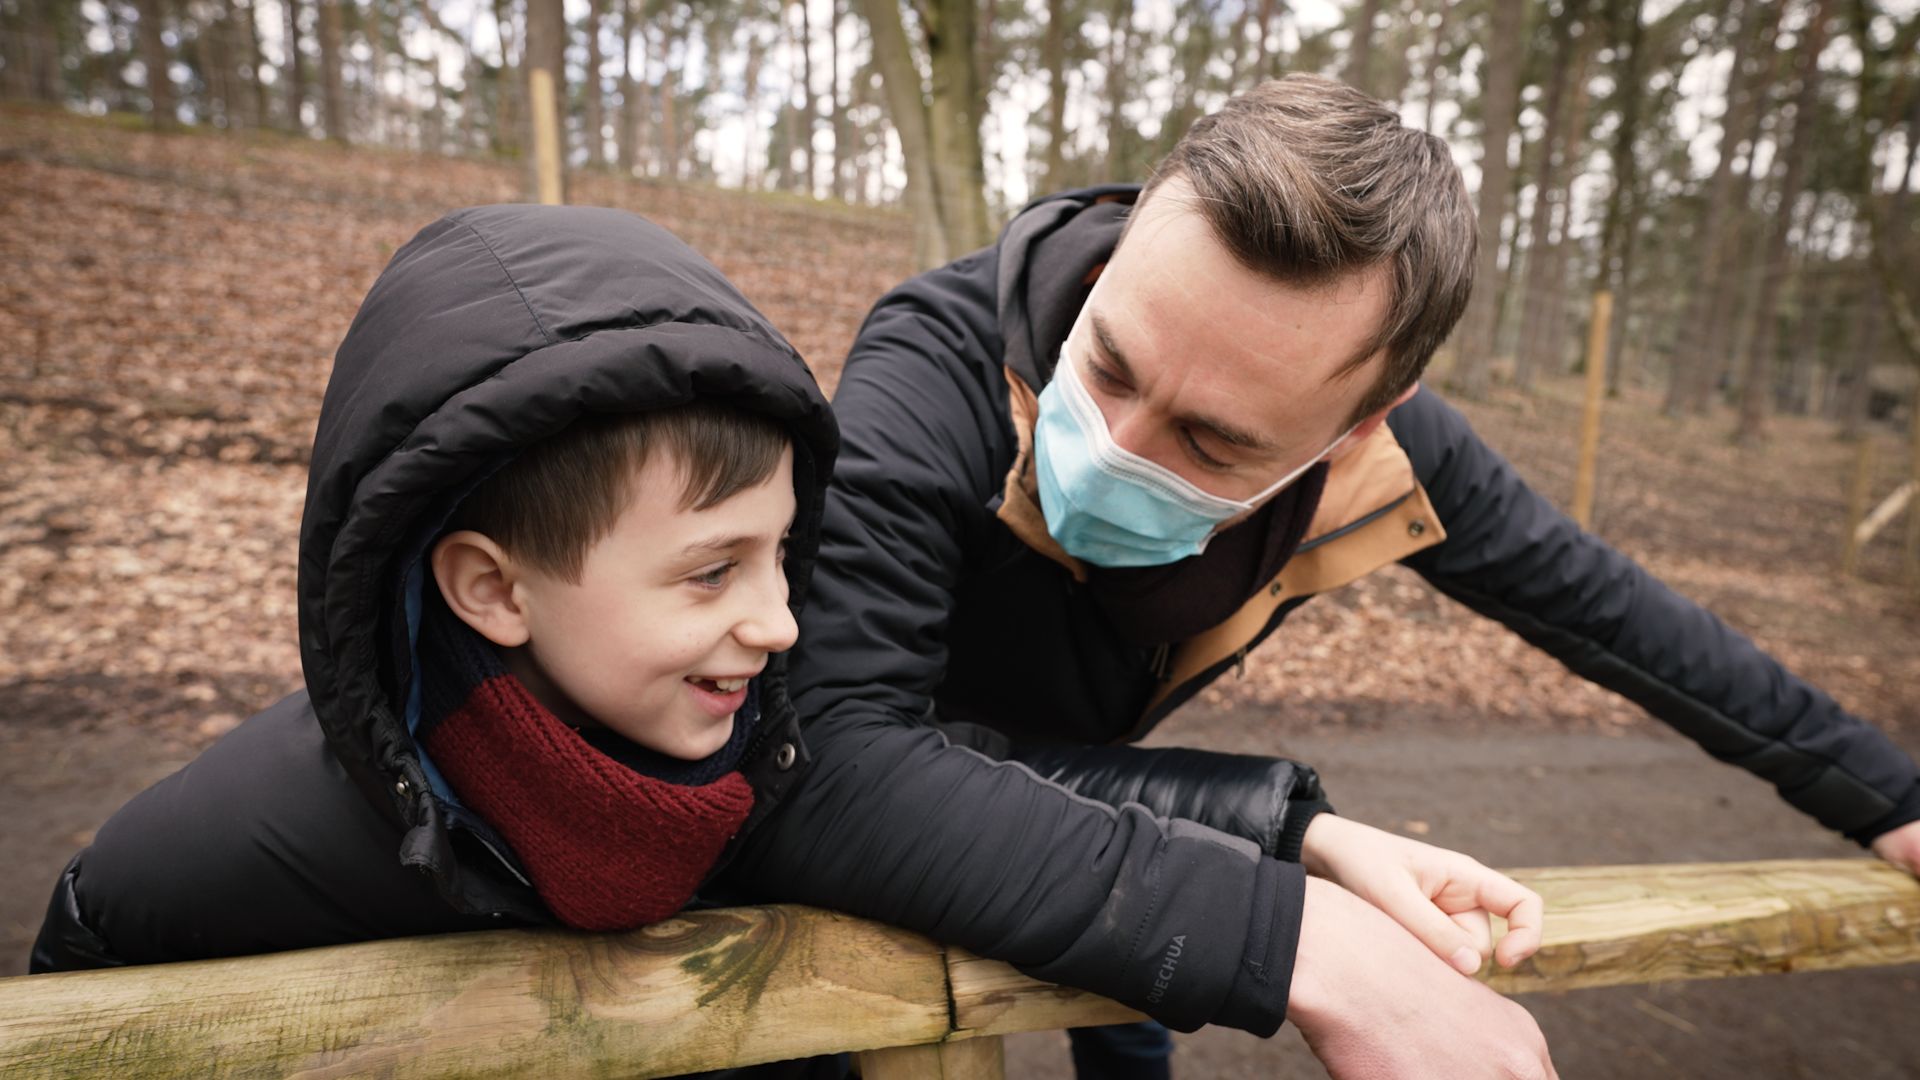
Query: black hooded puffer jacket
x: 314, y: 823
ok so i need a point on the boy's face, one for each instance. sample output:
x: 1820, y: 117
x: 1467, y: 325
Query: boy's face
x: 675, y: 610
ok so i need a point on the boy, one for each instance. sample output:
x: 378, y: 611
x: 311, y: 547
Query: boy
x: 565, y: 485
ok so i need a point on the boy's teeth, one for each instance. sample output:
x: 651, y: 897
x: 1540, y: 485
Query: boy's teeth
x: 727, y: 686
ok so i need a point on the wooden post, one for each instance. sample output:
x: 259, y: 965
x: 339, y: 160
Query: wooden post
x: 546, y: 136
x: 1912, y: 559
x: 968, y: 1059
x: 1857, y: 495
x: 1590, y: 419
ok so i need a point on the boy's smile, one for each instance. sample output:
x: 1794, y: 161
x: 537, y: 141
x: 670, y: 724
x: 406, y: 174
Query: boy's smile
x: 676, y: 609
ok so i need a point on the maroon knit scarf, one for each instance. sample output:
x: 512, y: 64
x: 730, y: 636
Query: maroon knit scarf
x: 607, y: 847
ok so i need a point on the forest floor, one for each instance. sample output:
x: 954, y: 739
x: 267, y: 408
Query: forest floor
x: 168, y: 309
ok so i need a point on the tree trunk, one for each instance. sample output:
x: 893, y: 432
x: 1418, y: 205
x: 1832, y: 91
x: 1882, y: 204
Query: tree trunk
x: 1439, y: 35
x: 906, y: 106
x: 294, y: 68
x: 510, y: 115
x: 547, y: 50
x: 592, y: 111
x: 1563, y: 249
x: 1549, y: 190
x: 1500, y: 76
x: 373, y: 28
x: 158, y: 63
x: 953, y: 120
x: 1360, y: 52
x: 333, y: 95
x: 809, y: 105
x: 1620, y: 231
x: 1053, y: 52
x: 248, y: 29
x: 1797, y: 152
x: 1119, y: 133
x: 623, y: 140
x: 669, y: 123
x: 842, y: 129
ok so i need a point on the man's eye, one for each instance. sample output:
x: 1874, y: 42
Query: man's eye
x: 1206, y: 460
x: 714, y: 577
x: 1107, y: 379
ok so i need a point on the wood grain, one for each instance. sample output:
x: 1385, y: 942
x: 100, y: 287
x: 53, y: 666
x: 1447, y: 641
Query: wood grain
x: 714, y: 989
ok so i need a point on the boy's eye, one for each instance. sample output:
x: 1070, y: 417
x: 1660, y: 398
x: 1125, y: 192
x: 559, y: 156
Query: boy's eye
x: 714, y: 576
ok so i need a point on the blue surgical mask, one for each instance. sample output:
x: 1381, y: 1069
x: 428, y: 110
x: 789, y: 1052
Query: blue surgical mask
x: 1111, y: 507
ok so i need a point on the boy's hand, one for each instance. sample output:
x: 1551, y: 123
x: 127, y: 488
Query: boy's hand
x: 1442, y: 897
x: 1900, y: 846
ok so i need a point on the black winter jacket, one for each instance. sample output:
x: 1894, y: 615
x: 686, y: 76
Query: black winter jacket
x: 313, y: 822
x: 940, y: 598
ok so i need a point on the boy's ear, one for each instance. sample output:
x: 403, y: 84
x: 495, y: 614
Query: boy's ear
x: 480, y: 584
x: 1370, y: 424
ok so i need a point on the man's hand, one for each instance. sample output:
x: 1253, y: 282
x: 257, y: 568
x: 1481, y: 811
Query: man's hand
x: 1374, y: 1004
x: 1442, y: 897
x: 1900, y: 846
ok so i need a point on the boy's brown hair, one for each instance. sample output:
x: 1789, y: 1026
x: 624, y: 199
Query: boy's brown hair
x: 1307, y: 180
x: 550, y: 505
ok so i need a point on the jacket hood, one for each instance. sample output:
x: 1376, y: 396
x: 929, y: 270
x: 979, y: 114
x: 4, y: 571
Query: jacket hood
x: 492, y: 329
x: 1046, y: 257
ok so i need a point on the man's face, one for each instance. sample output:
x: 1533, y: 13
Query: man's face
x: 675, y: 609
x: 1209, y: 369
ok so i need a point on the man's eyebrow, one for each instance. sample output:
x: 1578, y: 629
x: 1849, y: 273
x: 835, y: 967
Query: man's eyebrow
x: 1220, y: 429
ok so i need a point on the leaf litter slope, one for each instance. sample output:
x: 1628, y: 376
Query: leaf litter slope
x: 168, y: 310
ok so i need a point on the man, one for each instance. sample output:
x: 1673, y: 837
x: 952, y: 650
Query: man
x: 1082, y: 476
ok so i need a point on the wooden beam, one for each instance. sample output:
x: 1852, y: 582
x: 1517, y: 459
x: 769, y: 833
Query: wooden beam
x: 1859, y: 493
x: 1624, y: 925
x: 715, y: 989
x: 1888, y: 509
x: 701, y: 991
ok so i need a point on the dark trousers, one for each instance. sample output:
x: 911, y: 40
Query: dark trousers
x: 1139, y: 1051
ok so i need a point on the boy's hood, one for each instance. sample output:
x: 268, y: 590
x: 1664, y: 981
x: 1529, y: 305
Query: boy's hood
x: 492, y: 329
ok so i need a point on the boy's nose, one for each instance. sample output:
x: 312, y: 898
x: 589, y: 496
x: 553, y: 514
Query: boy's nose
x: 770, y: 626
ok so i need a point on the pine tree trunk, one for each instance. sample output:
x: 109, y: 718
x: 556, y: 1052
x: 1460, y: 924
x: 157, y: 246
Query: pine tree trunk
x: 842, y: 188
x: 379, y: 114
x: 249, y: 29
x: 953, y: 120
x: 1798, y: 150
x: 547, y: 50
x: 1360, y: 52
x: 809, y: 106
x: 509, y: 115
x: 1620, y: 232
x: 1548, y: 191
x: 1555, y: 337
x: 669, y: 123
x: 592, y: 113
x: 751, y: 137
x: 1053, y: 51
x: 333, y: 112
x: 158, y: 62
x: 1439, y: 33
x: 1119, y: 134
x: 1500, y: 76
x: 906, y: 107
x: 294, y: 68
x: 628, y: 91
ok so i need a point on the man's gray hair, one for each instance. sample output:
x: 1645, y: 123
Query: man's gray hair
x: 1307, y: 181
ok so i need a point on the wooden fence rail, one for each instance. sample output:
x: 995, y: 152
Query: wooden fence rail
x: 738, y: 986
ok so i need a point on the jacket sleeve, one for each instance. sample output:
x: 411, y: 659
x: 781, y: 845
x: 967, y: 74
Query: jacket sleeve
x: 1267, y: 800
x: 894, y: 822
x: 260, y: 844
x: 1510, y: 555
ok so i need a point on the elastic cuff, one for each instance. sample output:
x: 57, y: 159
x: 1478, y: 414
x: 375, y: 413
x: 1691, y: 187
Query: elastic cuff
x: 1293, y: 831
x: 1257, y: 1000
x: 1907, y: 810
